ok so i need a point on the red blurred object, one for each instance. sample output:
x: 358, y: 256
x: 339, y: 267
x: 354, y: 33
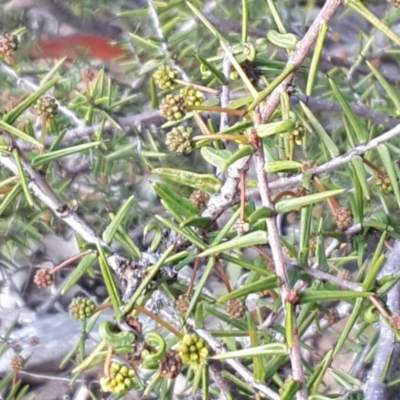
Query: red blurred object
x: 78, y: 46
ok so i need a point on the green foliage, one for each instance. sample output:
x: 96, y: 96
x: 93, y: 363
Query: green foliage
x: 268, y: 137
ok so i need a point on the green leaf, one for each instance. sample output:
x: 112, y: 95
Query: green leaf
x: 10, y: 197
x: 23, y: 178
x: 319, y: 45
x: 349, y: 325
x: 19, y: 134
x: 204, y: 20
x: 289, y: 327
x: 12, y: 116
x: 244, y: 151
x: 219, y: 76
x: 117, y: 339
x: 245, y: 20
x: 108, y: 234
x: 274, y: 128
x: 290, y: 389
x: 215, y: 157
x: 78, y: 272
x: 109, y: 281
x: 389, y: 169
x: 127, y: 243
x: 358, y: 6
x: 273, y: 85
x: 312, y: 295
x: 185, y: 232
x: 273, y: 167
x: 55, y: 155
x: 274, y: 349
x: 200, y: 286
x: 238, y: 127
x: 389, y: 89
x: 151, y: 273
x: 359, y: 170
x: 180, y: 205
x: 296, y: 203
x: 258, y: 365
x: 206, y: 182
x: 226, y: 228
x: 196, y: 221
x: 271, y: 282
x: 251, y: 239
x: 261, y: 213
x: 320, y: 131
x: 358, y: 127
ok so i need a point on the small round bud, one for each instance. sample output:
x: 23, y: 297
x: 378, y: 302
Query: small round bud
x: 8, y: 45
x: 394, y: 320
x: 199, y: 198
x: 170, y: 364
x: 236, y: 308
x: 88, y: 75
x: 119, y: 381
x: 173, y: 107
x: 371, y: 315
x: 343, y: 274
x: 178, y: 140
x: 301, y: 191
x: 164, y: 77
x: 193, y: 350
x: 332, y: 316
x: 298, y: 133
x: 43, y: 278
x: 17, y: 362
x: 293, y: 296
x: 307, y: 165
x: 343, y: 218
x: 191, y: 96
x: 46, y: 107
x: 396, y: 3
x: 182, y: 304
x: 81, y: 308
x: 384, y: 184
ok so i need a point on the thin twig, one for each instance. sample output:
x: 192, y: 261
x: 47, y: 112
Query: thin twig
x: 324, y: 276
x: 384, y: 367
x: 164, y: 41
x: 84, y: 132
x: 237, y: 366
x: 338, y: 162
x: 361, y: 110
x: 225, y: 92
x: 262, y: 115
x: 32, y: 86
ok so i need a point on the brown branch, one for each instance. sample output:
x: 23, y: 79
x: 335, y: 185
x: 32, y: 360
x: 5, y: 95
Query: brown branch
x: 262, y: 115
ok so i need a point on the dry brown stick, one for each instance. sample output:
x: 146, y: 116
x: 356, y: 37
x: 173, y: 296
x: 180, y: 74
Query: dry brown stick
x: 262, y: 115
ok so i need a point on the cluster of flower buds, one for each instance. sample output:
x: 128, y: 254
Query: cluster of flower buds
x: 120, y: 379
x: 191, y: 96
x: 199, y: 198
x: 343, y: 218
x: 236, y: 308
x: 81, y: 308
x: 170, y: 364
x: 173, y: 107
x: 164, y: 77
x: 182, y: 304
x: 8, y: 45
x: 384, y: 184
x: 43, y: 278
x: 46, y: 107
x: 193, y: 350
x: 178, y: 140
